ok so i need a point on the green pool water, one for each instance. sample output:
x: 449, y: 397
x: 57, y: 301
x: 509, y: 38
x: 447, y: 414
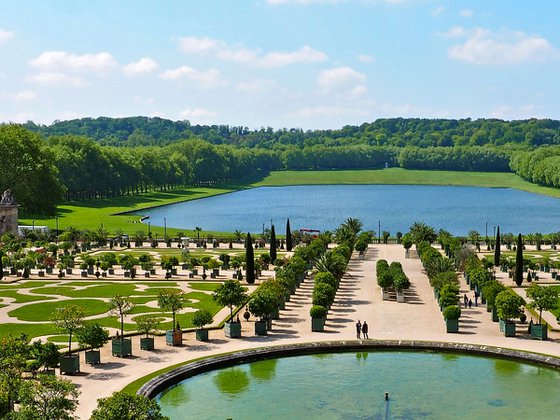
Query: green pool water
x: 352, y: 386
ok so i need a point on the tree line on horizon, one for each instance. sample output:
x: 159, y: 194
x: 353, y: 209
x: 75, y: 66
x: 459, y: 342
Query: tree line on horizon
x: 110, y: 157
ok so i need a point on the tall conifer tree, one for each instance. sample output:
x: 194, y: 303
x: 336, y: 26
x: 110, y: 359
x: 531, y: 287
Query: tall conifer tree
x: 289, y: 245
x: 273, y: 254
x: 519, y: 261
x: 497, y: 249
x: 250, y: 260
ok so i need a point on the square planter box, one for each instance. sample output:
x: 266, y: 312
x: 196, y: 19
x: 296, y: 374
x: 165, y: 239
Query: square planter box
x: 121, y: 347
x: 111, y: 271
x: 318, y: 324
x: 174, y: 337
x: 93, y: 357
x: 147, y: 343
x: 400, y: 297
x: 147, y: 274
x: 68, y: 271
x: 452, y: 325
x: 260, y: 328
x: 70, y: 364
x: 216, y: 271
x: 201, y: 335
x: 84, y: 273
x: 509, y: 329
x: 173, y: 271
x: 502, y: 324
x: 495, y: 315
x: 539, y: 332
x: 232, y: 329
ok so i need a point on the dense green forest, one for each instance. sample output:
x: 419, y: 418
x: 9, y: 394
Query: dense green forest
x: 109, y: 157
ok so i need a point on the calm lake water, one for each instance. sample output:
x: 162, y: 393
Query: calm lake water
x: 352, y: 386
x: 325, y: 207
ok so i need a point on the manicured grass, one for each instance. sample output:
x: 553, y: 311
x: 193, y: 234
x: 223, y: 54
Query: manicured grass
x: 204, y: 286
x: 25, y: 284
x: 44, y: 311
x: 99, y: 291
x: 31, y: 330
x: 20, y: 298
x: 91, y: 214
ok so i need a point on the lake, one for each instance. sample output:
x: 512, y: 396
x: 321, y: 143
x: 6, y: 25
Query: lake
x: 395, y: 207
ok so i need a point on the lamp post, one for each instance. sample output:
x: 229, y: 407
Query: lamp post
x: 33, y: 225
x: 149, y: 230
x: 165, y: 227
x: 379, y: 232
x: 486, y: 234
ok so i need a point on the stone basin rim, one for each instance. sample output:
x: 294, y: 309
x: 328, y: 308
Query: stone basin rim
x: 156, y: 385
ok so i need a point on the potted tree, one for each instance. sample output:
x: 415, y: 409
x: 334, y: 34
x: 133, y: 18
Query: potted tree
x: 172, y: 300
x: 230, y: 294
x: 508, y: 305
x: 92, y: 337
x: 318, y: 317
x: 400, y: 283
x: 490, y: 290
x: 145, y: 325
x: 262, y: 304
x: 201, y: 318
x: 69, y: 319
x: 542, y: 298
x: 120, y: 306
x: 451, y: 315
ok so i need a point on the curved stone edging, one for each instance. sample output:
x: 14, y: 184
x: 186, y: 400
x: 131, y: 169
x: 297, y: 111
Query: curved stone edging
x: 156, y: 385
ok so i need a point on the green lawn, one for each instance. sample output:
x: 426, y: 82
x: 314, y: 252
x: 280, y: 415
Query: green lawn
x: 43, y: 311
x: 21, y: 298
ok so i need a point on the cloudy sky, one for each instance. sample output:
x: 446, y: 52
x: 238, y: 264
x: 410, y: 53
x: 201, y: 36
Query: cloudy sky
x: 279, y: 63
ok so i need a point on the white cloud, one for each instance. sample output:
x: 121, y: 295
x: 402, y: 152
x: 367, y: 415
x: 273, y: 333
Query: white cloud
x: 455, y: 32
x: 197, y: 114
x: 27, y: 95
x: 57, y: 78
x: 467, y: 13
x: 240, y: 54
x: 486, y: 47
x: 330, y: 111
x: 340, y: 76
x: 509, y: 112
x: 366, y: 58
x: 209, y: 77
x: 196, y: 45
x: 5, y: 35
x: 61, y: 60
x: 144, y: 65
x: 359, y: 90
x: 438, y: 11
x: 304, y: 55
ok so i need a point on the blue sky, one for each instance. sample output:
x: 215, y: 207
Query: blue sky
x: 279, y: 63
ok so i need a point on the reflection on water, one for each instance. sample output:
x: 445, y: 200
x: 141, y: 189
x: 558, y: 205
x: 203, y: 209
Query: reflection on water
x: 265, y: 370
x: 231, y: 381
x: 353, y: 385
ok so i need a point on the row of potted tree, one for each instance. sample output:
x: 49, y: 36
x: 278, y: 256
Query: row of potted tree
x: 391, y: 278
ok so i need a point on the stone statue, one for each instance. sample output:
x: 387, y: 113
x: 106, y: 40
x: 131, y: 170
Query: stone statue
x: 8, y: 199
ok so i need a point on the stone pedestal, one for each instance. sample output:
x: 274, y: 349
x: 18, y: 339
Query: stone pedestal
x: 8, y: 214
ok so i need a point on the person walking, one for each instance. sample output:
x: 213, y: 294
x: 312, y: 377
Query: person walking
x: 470, y: 303
x: 465, y: 300
x: 475, y: 298
x: 365, y: 329
x: 358, y: 329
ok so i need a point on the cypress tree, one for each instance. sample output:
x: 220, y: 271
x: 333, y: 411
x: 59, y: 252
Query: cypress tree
x: 1, y: 267
x: 288, y: 236
x: 273, y: 254
x: 497, y: 248
x: 519, y: 262
x: 250, y: 260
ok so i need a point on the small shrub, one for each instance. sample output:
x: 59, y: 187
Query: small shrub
x: 452, y: 312
x: 318, y: 311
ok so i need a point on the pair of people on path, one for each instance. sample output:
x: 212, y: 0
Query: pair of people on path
x: 362, y: 329
x: 468, y: 302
